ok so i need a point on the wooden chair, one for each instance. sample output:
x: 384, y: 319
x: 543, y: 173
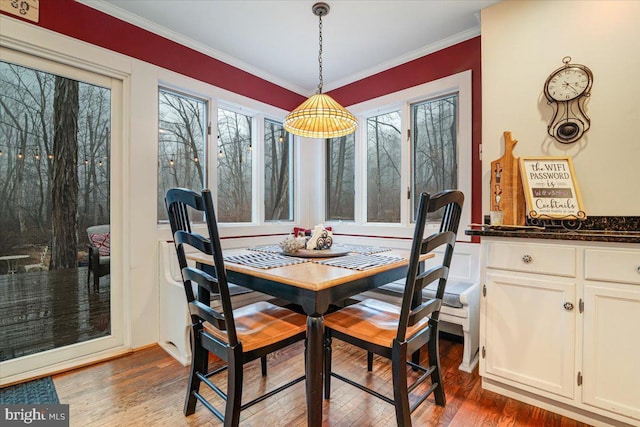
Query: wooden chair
x: 99, y: 253
x: 236, y: 336
x: 398, y: 332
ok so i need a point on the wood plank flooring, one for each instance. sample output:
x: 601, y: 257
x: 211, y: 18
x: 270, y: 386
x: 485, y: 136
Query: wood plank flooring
x: 50, y: 309
x: 147, y: 388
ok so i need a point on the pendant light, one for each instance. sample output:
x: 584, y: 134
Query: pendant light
x: 320, y: 116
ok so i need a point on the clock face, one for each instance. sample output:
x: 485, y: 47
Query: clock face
x: 567, y: 84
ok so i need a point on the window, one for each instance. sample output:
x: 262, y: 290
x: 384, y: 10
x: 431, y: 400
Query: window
x: 278, y: 176
x: 434, y: 130
x: 383, y: 167
x: 243, y: 170
x: 340, y: 178
x: 235, y: 167
x: 182, y: 136
x: 417, y: 139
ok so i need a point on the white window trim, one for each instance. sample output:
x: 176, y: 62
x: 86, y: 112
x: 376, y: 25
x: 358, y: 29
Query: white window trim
x: 402, y: 100
x: 221, y: 98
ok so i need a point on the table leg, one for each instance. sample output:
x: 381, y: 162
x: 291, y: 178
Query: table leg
x: 315, y: 334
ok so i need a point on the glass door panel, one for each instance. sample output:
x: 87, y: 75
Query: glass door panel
x: 55, y: 172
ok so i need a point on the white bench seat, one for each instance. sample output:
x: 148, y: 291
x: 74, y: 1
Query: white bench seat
x: 174, y: 325
x: 459, y: 315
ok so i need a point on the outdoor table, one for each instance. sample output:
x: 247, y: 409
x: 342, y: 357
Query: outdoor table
x: 12, y: 262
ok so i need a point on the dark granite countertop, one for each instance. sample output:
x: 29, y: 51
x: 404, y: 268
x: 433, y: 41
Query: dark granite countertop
x: 596, y: 229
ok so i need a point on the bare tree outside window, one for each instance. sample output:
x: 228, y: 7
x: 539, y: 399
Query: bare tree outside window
x: 383, y: 168
x: 340, y: 188
x: 55, y: 138
x: 234, y: 167
x: 434, y: 144
x: 278, y: 176
x: 182, y: 136
x: 44, y: 120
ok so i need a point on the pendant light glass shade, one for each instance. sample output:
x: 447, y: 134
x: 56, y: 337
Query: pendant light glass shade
x: 320, y: 117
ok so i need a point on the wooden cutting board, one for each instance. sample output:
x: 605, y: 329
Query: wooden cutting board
x: 507, y: 193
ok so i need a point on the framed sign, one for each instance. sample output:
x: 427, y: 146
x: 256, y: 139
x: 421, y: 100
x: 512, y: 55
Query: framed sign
x: 550, y: 188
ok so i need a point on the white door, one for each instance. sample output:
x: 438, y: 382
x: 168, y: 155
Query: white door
x: 31, y: 84
x: 611, y: 378
x: 529, y: 333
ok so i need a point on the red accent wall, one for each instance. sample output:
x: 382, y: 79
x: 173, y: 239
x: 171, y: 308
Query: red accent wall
x: 454, y: 59
x: 92, y: 26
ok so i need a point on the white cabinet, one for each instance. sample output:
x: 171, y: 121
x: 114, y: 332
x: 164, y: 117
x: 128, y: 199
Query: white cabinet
x: 559, y: 326
x: 529, y: 335
x: 611, y: 339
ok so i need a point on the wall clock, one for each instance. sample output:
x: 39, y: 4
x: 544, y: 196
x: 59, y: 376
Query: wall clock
x: 566, y: 90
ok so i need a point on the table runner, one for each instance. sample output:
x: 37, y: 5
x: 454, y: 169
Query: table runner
x: 360, y: 249
x: 274, y: 249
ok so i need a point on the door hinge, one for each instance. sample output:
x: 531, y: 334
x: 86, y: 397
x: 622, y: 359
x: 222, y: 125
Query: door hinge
x: 209, y: 129
x: 484, y: 352
x: 579, y: 378
x: 581, y: 305
x: 484, y: 290
x: 480, y: 151
x: 408, y: 134
x: 408, y: 193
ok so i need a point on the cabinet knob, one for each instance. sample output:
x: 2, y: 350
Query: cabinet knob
x: 568, y: 306
x: 527, y: 259
x: 638, y: 269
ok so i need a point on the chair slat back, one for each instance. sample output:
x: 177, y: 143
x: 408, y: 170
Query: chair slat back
x: 178, y: 202
x: 413, y: 308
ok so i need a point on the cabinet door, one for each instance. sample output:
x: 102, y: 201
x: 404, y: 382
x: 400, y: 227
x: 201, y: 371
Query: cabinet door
x: 529, y: 334
x: 611, y: 377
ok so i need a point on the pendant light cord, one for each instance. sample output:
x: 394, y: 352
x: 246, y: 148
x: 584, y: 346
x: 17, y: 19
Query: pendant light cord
x: 320, y: 53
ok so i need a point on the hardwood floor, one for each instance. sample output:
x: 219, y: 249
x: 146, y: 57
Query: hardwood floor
x: 49, y: 309
x: 147, y: 388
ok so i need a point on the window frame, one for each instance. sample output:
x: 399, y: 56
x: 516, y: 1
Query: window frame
x: 292, y: 181
x: 402, y: 100
x: 206, y: 148
x: 220, y: 98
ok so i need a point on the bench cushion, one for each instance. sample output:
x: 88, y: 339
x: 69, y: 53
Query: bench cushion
x: 451, y: 293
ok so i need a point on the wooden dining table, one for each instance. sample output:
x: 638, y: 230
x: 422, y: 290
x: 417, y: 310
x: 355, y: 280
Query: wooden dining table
x: 314, y: 287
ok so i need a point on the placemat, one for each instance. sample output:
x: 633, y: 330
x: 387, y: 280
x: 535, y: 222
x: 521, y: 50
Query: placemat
x: 360, y: 261
x: 264, y: 260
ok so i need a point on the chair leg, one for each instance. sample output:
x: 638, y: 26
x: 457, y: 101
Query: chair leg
x: 263, y: 365
x: 199, y: 363
x: 415, y: 358
x: 327, y: 366
x: 234, y: 388
x: 400, y: 391
x: 436, y: 377
x: 96, y: 281
x: 369, y: 361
